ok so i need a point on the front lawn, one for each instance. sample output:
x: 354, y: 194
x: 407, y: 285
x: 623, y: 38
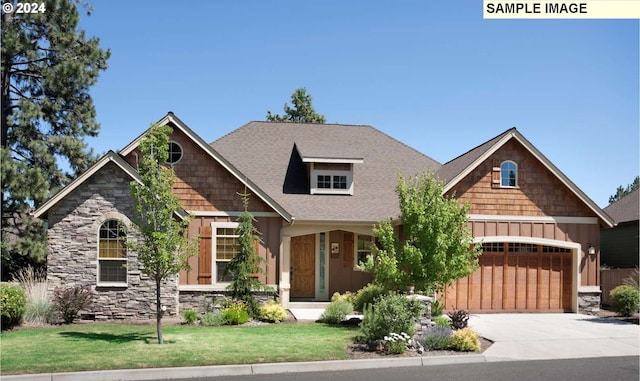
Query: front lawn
x: 81, y: 347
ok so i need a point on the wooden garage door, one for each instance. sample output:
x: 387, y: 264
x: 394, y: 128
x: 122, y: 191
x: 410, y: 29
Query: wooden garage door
x: 516, y: 277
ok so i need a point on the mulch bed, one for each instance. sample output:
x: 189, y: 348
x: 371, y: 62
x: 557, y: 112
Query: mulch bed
x: 361, y: 351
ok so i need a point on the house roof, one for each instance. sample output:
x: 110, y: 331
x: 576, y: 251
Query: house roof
x: 109, y: 157
x: 170, y: 118
x: 271, y: 153
x: 457, y: 169
x: 626, y: 209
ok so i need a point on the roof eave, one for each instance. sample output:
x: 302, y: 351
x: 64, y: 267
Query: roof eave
x: 171, y: 118
x: 608, y: 221
x: 110, y: 156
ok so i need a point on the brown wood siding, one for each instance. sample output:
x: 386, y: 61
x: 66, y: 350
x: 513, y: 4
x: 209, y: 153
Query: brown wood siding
x: 269, y: 249
x: 539, y: 192
x: 202, y: 183
x: 342, y: 276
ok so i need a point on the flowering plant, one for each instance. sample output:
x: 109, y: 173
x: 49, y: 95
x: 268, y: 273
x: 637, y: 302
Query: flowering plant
x: 397, y: 342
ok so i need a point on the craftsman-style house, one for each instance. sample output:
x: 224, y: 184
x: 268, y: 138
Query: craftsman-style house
x: 316, y: 191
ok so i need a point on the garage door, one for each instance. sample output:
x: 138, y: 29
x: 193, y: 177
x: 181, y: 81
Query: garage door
x: 516, y: 277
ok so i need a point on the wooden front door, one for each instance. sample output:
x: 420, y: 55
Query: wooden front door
x: 303, y: 266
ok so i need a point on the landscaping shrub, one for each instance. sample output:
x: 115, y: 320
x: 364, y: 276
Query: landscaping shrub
x: 272, y: 312
x: 190, y: 316
x: 12, y: 305
x: 337, y: 311
x: 236, y: 313
x: 38, y: 308
x: 465, y: 340
x: 397, y: 342
x: 625, y: 300
x: 367, y: 295
x: 213, y: 319
x: 437, y: 308
x: 390, y: 313
x: 442, y: 321
x: 459, y: 319
x: 71, y: 300
x: 347, y: 296
x: 437, y: 338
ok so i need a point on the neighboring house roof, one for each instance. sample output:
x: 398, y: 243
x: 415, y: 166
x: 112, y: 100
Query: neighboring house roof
x: 626, y: 209
x: 109, y: 157
x: 457, y: 169
x: 269, y: 152
x: 175, y: 121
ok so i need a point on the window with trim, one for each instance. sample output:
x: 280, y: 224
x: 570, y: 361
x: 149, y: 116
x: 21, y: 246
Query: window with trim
x: 508, y: 174
x: 363, y: 248
x: 112, y: 254
x: 175, y: 153
x: 225, y: 247
x: 331, y: 182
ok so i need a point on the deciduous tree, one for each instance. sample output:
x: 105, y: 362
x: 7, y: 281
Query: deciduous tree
x: 302, y: 111
x: 437, y: 246
x: 48, y: 65
x: 163, y: 248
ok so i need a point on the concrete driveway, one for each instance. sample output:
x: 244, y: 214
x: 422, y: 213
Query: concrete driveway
x: 555, y: 336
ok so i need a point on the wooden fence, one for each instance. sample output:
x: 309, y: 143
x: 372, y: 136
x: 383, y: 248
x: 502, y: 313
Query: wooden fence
x: 610, y: 279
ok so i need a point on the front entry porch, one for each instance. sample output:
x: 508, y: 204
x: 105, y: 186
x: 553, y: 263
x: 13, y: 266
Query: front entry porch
x: 317, y: 261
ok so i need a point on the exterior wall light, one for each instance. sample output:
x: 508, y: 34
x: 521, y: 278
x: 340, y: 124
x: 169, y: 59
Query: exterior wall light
x: 591, y: 250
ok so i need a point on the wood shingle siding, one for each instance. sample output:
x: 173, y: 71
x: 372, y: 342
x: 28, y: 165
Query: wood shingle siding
x: 539, y: 192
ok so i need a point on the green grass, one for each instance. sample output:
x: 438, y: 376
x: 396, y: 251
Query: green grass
x: 113, y: 346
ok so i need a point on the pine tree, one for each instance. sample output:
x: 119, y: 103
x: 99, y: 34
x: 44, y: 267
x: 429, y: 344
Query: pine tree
x: 303, y: 111
x: 163, y: 248
x: 47, y: 68
x: 247, y: 263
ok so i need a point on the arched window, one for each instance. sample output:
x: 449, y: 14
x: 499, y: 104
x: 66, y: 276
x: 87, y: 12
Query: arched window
x: 112, y: 254
x: 508, y: 174
x: 175, y: 153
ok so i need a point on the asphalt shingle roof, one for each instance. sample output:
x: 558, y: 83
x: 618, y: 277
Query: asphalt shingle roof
x: 269, y: 153
x: 452, y: 168
x: 625, y: 209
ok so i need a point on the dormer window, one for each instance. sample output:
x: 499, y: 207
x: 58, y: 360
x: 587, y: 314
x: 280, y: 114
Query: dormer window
x: 332, y: 182
x: 332, y: 176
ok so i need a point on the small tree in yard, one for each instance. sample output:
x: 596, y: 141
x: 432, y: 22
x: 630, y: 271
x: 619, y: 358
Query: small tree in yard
x: 246, y: 264
x: 437, y: 248
x: 163, y: 249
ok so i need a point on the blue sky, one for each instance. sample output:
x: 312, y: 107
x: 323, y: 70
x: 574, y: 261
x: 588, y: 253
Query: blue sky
x: 434, y: 75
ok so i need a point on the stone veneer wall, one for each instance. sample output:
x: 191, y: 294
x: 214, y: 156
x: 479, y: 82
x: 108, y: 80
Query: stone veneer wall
x: 72, y: 252
x: 589, y: 302
x: 207, y: 301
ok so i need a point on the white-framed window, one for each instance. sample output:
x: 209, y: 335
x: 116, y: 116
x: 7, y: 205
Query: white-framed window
x: 363, y: 248
x: 112, y: 254
x: 225, y: 247
x: 508, y: 174
x: 175, y: 153
x: 331, y: 182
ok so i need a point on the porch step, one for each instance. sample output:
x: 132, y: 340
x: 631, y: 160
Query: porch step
x: 307, y: 311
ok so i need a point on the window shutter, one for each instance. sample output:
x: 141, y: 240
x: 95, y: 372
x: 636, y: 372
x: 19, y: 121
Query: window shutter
x: 495, y: 174
x: 522, y: 177
x: 204, y: 259
x: 347, y: 251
